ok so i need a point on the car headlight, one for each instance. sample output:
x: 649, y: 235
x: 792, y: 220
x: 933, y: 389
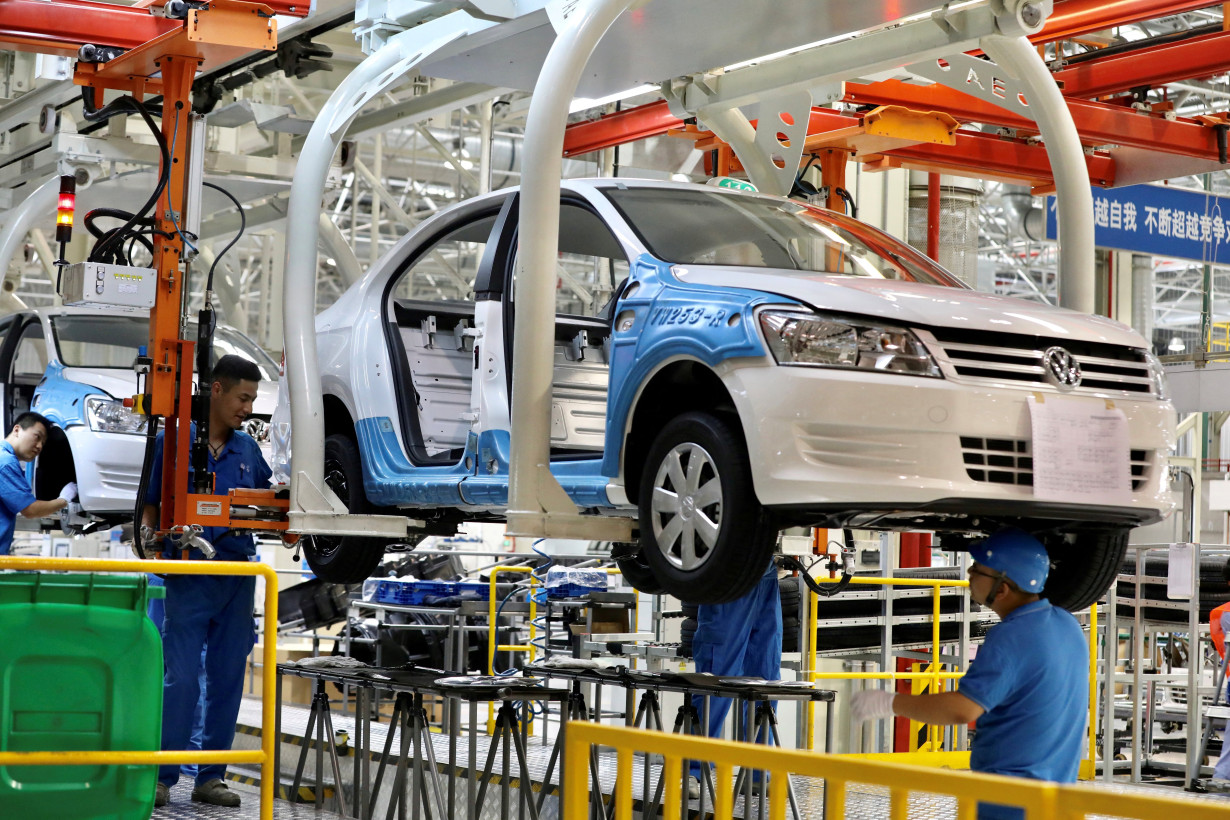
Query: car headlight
x: 810, y: 339
x: 111, y: 416
x: 1157, y: 373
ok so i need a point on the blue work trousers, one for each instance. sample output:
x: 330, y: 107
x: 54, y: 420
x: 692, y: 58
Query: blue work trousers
x: 740, y: 638
x: 214, y: 614
x: 157, y: 614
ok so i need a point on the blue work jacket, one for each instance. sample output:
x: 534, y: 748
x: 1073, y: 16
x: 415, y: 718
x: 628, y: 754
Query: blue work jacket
x: 239, y: 465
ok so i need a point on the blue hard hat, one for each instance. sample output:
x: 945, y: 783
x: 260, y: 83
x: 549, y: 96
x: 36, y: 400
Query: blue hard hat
x: 1018, y: 555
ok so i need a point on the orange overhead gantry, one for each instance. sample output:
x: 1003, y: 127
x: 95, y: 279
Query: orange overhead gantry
x: 1101, y: 123
x: 162, y: 56
x: 61, y: 27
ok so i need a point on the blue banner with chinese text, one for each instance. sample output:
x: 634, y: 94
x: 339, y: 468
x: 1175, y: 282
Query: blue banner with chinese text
x: 1159, y: 221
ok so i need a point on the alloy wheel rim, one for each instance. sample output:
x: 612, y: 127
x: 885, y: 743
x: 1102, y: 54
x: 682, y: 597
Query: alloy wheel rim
x: 687, y: 506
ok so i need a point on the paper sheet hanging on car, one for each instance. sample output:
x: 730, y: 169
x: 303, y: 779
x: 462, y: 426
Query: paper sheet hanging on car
x: 1080, y: 451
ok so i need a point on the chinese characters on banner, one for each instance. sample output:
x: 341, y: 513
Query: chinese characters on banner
x: 1159, y: 221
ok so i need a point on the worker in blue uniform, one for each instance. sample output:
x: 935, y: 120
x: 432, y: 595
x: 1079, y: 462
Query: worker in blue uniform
x: 740, y: 638
x: 211, y: 612
x: 1027, y: 688
x: 23, y: 443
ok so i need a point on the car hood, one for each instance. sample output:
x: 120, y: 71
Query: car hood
x: 913, y: 304
x: 121, y: 384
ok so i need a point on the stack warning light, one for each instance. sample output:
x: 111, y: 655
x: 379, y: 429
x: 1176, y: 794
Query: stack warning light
x: 65, y: 207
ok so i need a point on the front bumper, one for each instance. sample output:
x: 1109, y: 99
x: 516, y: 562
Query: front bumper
x: 108, y: 469
x: 833, y: 439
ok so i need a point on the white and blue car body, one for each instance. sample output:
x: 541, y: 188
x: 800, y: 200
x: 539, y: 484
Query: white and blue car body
x: 75, y: 366
x: 726, y: 364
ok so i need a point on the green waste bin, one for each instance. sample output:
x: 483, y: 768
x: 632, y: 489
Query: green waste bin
x: 80, y: 670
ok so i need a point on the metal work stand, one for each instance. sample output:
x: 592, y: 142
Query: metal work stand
x: 575, y: 709
x: 763, y: 730
x: 319, y: 719
x: 410, y: 718
x: 509, y: 737
x: 687, y: 722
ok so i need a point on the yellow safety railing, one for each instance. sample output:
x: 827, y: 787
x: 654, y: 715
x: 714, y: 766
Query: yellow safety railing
x: 934, y: 675
x: 493, y: 608
x: 494, y: 632
x: 1219, y: 337
x: 1041, y: 800
x: 264, y: 757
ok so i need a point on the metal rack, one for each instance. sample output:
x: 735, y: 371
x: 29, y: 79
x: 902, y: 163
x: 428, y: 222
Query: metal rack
x: 1144, y: 709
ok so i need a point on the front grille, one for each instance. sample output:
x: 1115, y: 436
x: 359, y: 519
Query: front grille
x: 1008, y: 461
x: 987, y: 356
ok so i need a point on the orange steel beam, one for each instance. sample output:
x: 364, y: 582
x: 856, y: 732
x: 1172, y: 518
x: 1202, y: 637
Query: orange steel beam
x: 1097, y: 123
x: 988, y: 157
x: 62, y: 26
x: 629, y: 125
x: 1170, y: 62
x: 1072, y: 18
x: 207, y: 39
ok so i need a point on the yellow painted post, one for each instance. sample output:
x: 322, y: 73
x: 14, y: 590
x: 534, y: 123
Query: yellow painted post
x: 723, y: 786
x: 777, y: 795
x: 812, y: 624
x: 623, y: 784
x: 834, y: 797
x: 1089, y: 767
x: 899, y: 804
x: 268, y: 679
x: 672, y: 773
x: 576, y: 771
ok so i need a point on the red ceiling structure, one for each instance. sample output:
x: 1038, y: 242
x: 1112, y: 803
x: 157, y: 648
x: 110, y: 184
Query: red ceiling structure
x: 1098, y: 89
x: 63, y: 26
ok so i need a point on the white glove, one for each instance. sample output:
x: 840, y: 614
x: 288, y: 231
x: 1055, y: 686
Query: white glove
x: 69, y: 492
x: 872, y: 704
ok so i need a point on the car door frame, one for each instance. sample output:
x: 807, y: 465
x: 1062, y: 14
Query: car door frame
x: 403, y: 386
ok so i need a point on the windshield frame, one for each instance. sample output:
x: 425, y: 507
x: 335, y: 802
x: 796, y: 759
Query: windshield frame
x: 268, y: 367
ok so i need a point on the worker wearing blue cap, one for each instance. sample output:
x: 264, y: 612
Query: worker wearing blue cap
x: 1028, y: 687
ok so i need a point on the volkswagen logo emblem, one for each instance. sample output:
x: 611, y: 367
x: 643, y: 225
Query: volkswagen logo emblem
x: 1061, y: 368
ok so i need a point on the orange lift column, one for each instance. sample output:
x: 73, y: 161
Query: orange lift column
x: 167, y: 65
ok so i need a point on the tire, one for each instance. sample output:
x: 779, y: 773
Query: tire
x: 790, y: 634
x: 346, y: 559
x: 724, y: 558
x: 788, y: 590
x: 1081, y: 572
x: 637, y: 573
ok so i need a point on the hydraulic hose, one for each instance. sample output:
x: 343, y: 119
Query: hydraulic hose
x: 792, y: 563
x: 151, y: 437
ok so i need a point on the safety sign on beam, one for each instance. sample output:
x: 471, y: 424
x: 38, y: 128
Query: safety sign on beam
x: 1158, y: 221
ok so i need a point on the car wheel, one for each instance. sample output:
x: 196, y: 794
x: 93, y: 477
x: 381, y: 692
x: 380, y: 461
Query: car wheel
x: 635, y: 570
x: 703, y: 532
x: 1083, y: 569
x: 344, y: 559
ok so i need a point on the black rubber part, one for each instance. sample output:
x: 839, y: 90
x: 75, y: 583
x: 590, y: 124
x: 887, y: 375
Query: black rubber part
x: 637, y: 573
x: 1082, y: 572
x: 746, y: 537
x: 344, y: 559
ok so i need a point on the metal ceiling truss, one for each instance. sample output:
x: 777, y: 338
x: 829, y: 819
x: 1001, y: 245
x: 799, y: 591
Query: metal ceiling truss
x: 424, y: 168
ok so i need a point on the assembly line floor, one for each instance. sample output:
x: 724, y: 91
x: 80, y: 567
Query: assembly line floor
x: 181, y: 806
x: 864, y: 802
